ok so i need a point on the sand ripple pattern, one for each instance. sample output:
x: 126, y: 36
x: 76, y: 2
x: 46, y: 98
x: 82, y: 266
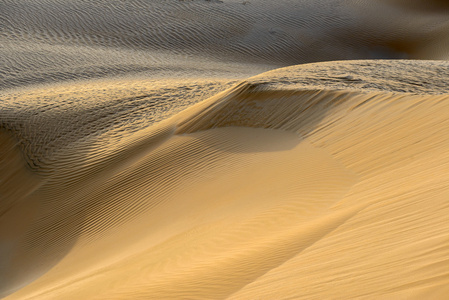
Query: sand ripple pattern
x: 204, y: 149
x: 54, y: 40
x: 243, y: 195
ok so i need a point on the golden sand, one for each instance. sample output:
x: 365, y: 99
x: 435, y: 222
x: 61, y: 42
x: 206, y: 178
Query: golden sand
x: 185, y: 177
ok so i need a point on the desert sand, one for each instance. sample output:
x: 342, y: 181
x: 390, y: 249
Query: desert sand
x: 224, y: 149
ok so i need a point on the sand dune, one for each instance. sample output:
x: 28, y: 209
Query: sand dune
x: 268, y: 184
x: 146, y: 153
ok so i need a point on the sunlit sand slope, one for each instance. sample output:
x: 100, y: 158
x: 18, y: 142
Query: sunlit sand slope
x: 270, y: 189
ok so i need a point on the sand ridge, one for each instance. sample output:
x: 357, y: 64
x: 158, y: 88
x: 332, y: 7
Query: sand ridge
x: 314, y: 185
x: 183, y: 150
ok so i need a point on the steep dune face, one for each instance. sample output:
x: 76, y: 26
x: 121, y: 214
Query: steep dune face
x: 270, y: 189
x: 169, y: 150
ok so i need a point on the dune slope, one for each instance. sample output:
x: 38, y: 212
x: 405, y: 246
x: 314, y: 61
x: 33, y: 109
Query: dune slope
x: 224, y: 149
x: 309, y: 182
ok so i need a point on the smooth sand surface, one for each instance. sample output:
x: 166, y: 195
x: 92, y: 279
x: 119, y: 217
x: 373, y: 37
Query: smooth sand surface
x: 183, y: 150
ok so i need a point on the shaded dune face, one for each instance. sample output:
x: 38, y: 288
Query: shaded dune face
x: 50, y: 41
x: 436, y: 6
x: 169, y: 150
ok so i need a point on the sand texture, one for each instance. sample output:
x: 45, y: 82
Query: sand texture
x: 224, y: 149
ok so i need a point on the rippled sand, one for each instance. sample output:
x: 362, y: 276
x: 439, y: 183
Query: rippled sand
x: 216, y: 149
